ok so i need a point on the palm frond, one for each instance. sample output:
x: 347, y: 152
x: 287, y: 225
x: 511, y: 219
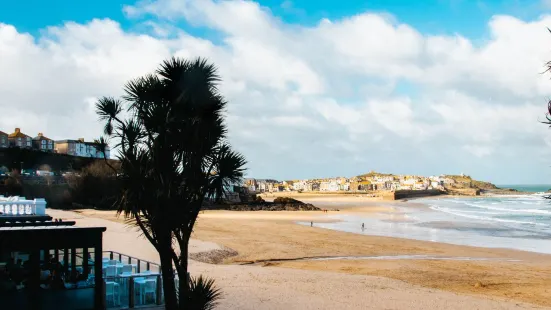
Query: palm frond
x: 108, y: 108
x: 203, y: 294
x: 229, y: 169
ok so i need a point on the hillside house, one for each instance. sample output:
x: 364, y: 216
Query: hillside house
x: 42, y: 143
x: 80, y: 148
x: 19, y: 139
x: 4, y: 140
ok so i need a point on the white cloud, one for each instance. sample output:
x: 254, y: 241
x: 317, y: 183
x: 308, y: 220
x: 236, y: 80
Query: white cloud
x: 479, y: 150
x: 307, y: 101
x: 546, y: 4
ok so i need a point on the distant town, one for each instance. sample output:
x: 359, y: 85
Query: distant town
x: 372, y: 181
x: 73, y: 147
x: 369, y: 182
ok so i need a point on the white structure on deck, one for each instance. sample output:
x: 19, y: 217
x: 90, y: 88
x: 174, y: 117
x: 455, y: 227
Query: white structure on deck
x: 16, y: 205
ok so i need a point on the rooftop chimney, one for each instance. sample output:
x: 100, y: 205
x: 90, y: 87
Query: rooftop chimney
x: 40, y: 134
x: 17, y: 130
x: 81, y: 139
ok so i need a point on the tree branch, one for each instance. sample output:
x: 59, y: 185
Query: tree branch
x: 145, y: 232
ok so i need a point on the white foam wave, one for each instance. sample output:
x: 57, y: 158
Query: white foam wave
x: 509, y: 210
x: 486, y: 218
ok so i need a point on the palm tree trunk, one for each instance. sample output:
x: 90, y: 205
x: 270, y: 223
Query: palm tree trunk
x: 169, y: 288
x: 183, y: 289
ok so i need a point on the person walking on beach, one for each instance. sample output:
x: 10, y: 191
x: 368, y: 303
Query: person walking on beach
x: 363, y: 226
x: 311, y: 224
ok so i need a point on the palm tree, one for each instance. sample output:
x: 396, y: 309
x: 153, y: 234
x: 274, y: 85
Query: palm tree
x: 174, y: 154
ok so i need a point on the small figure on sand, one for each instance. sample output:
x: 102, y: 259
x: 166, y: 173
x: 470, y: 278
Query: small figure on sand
x: 363, y: 226
x: 311, y: 224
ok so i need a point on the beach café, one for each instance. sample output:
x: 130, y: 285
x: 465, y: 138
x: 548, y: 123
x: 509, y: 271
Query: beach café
x: 48, y: 263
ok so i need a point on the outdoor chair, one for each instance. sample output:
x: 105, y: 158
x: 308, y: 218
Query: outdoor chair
x: 110, y: 271
x: 126, y: 269
x: 149, y: 289
x: 112, y: 292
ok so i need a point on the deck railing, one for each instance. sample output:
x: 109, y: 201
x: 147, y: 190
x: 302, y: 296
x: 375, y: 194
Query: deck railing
x: 140, y: 263
x: 15, y: 205
x: 129, y: 284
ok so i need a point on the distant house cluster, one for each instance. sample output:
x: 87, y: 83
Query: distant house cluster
x: 77, y: 147
x: 355, y: 184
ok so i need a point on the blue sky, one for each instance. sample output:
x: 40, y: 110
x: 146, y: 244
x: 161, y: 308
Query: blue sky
x: 467, y: 17
x: 310, y: 100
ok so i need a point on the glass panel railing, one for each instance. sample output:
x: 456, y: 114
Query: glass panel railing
x: 133, y: 290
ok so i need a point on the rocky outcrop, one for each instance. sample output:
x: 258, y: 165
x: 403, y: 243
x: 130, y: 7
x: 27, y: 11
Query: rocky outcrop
x: 464, y: 191
x: 216, y: 256
x: 279, y: 204
x: 504, y: 191
x: 406, y: 194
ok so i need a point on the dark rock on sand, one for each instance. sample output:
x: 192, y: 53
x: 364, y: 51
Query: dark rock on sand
x: 213, y: 256
x: 279, y: 204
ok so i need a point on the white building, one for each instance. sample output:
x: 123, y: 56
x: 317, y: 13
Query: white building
x: 80, y: 148
x: 329, y: 186
x: 299, y: 185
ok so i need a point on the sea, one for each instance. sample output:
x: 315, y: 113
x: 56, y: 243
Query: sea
x: 534, y: 188
x: 521, y: 222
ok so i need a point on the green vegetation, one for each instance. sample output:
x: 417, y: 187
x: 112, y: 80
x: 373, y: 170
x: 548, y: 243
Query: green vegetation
x: 467, y: 181
x: 203, y: 294
x: 375, y: 174
x: 95, y: 187
x: 16, y: 158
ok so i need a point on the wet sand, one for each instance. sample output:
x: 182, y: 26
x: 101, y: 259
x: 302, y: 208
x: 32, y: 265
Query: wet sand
x: 509, y: 278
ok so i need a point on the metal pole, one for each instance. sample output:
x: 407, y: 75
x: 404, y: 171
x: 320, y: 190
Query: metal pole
x: 159, y: 290
x: 131, y: 292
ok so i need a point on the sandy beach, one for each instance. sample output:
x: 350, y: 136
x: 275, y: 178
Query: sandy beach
x: 268, y: 273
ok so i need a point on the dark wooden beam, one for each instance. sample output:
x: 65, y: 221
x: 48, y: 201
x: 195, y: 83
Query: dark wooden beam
x: 65, y: 260
x: 34, y: 224
x: 99, y: 296
x: 85, y: 261
x: 19, y: 218
x: 73, y: 262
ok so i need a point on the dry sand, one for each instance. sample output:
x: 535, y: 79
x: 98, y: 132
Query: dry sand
x: 340, y: 284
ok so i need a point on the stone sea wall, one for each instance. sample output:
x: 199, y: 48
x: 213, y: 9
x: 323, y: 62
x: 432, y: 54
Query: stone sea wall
x: 405, y: 194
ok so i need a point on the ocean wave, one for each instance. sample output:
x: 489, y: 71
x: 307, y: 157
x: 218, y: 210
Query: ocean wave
x: 508, y: 210
x: 486, y: 218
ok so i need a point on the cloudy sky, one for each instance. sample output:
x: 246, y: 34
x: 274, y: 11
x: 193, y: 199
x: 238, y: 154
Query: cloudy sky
x: 315, y: 88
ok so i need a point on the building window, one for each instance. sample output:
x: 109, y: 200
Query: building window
x: 28, y: 144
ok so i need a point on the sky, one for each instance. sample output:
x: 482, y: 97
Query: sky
x: 315, y: 88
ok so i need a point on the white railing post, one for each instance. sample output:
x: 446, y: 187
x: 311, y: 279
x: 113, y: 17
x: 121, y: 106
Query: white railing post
x: 40, y: 206
x: 20, y: 206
